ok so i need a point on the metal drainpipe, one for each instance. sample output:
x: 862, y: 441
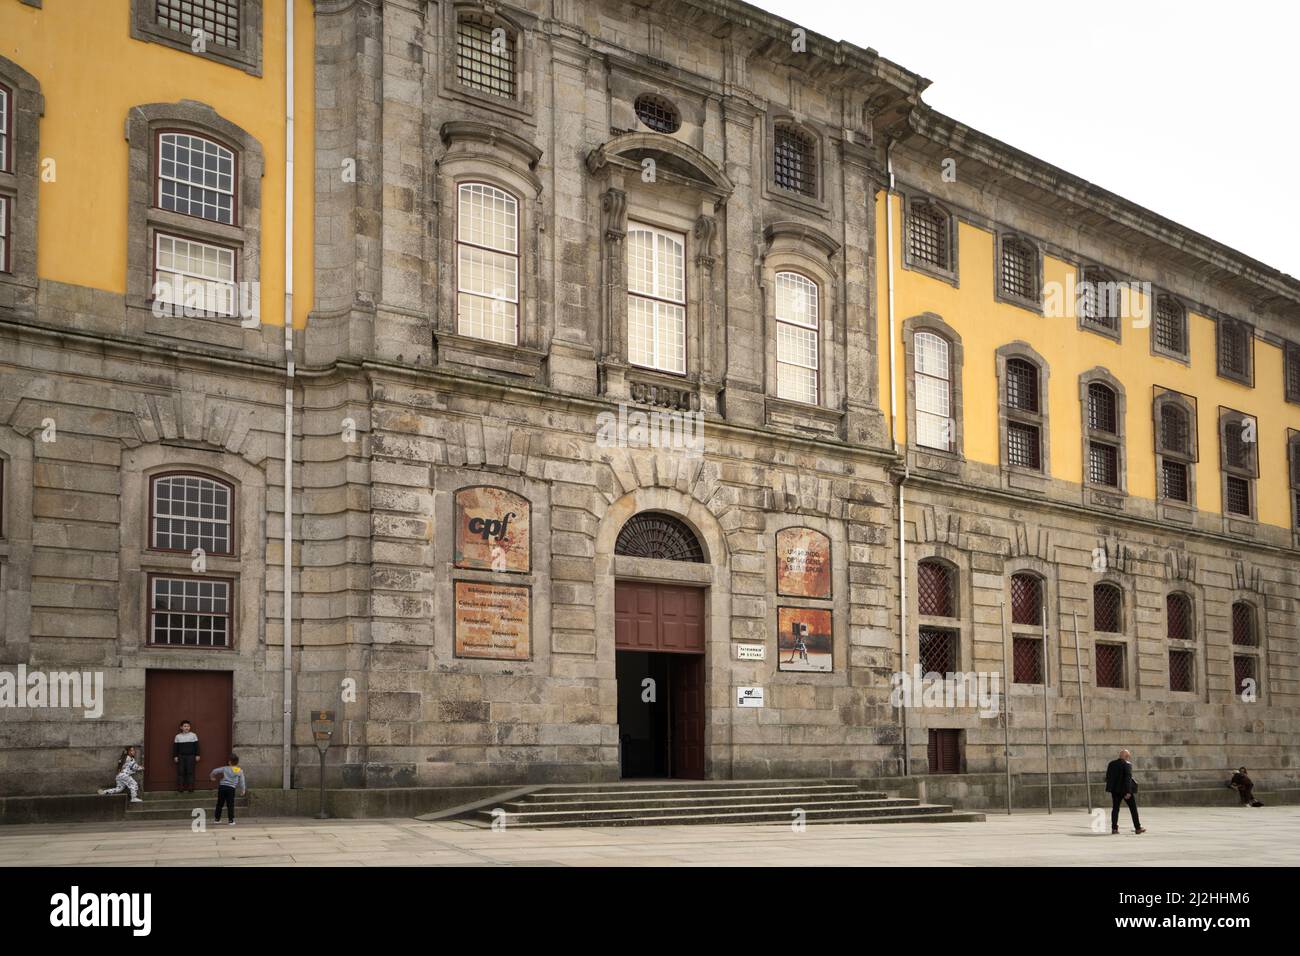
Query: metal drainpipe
x: 287, y: 781
x: 893, y: 433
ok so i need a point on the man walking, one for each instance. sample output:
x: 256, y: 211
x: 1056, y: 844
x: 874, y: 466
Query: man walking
x: 1121, y: 786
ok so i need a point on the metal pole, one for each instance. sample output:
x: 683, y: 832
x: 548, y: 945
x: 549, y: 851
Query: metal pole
x: 1047, y: 738
x: 1006, y: 705
x: 1083, y: 727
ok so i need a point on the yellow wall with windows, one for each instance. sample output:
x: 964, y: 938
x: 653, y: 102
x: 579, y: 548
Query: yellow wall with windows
x: 92, y: 72
x: 986, y: 324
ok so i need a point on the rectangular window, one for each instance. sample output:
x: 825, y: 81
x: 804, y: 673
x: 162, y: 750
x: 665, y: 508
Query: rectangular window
x: 1103, y: 464
x: 796, y: 338
x: 482, y: 62
x: 794, y: 162
x: 944, y: 751
x: 933, y: 392
x: 218, y: 19
x: 938, y: 651
x: 1173, y: 480
x: 1243, y: 673
x: 1235, y: 340
x: 1110, y: 665
x: 1019, y: 268
x: 1170, y: 326
x: 656, y: 299
x: 487, y: 263
x: 4, y: 233
x: 1236, y: 495
x: 1292, y: 360
x: 927, y: 236
x: 190, y: 275
x: 196, y: 177
x: 6, y: 119
x: 1023, y: 446
x: 188, y: 512
x: 1027, y: 660
x: 190, y: 612
x: 1180, y: 670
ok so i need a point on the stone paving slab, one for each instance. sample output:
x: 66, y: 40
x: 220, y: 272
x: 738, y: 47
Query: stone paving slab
x: 1178, y: 836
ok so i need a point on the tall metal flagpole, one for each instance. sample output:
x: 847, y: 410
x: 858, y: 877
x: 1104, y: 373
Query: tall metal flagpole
x: 1047, y: 738
x: 1083, y: 726
x: 1006, y: 706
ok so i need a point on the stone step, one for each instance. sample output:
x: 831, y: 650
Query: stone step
x: 623, y: 786
x: 906, y: 811
x: 541, y: 797
x: 135, y: 814
x: 656, y: 802
x: 598, y: 815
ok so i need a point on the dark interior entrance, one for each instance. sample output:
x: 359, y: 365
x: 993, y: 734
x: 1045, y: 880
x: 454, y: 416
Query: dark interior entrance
x: 659, y: 640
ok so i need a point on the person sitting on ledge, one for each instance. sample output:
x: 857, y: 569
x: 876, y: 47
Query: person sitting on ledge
x: 1245, y: 788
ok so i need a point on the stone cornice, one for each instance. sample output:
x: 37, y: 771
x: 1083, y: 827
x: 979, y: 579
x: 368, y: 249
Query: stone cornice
x: 493, y: 136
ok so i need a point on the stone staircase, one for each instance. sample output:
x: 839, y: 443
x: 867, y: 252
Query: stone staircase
x: 659, y: 803
x: 170, y: 805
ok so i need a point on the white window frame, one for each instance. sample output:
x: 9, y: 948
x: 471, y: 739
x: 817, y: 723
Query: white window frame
x: 6, y: 128
x: 208, y: 527
x: 922, y: 374
x: 208, y: 284
x: 662, y: 303
x: 802, y: 328
x: 216, y: 586
x: 222, y: 151
x: 474, y: 240
x: 4, y: 233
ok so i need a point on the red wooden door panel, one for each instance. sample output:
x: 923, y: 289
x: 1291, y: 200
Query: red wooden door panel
x: 688, y: 716
x: 205, y: 698
x: 658, y: 617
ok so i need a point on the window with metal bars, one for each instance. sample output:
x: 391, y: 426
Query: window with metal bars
x: 1243, y: 673
x: 1019, y: 269
x: 928, y: 235
x: 1173, y: 481
x: 1170, y: 327
x: 1103, y: 464
x: 938, y: 651
x: 1027, y: 660
x: 1181, y: 665
x: 936, y: 586
x: 1292, y: 361
x: 1175, y: 430
x: 1107, y: 609
x: 1100, y: 299
x: 1110, y: 665
x: 1243, y: 625
x: 1023, y: 446
x: 1236, y: 496
x: 1234, y: 347
x: 1026, y: 599
x: 794, y: 160
x: 1101, y: 408
x: 1236, y: 449
x: 485, y: 56
x: 1022, y: 385
x: 218, y: 19
x: 657, y: 112
x: 1178, y: 617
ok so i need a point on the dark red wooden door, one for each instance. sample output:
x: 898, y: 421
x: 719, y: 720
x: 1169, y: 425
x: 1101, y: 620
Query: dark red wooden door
x: 688, y: 716
x: 205, y: 699
x: 658, y: 617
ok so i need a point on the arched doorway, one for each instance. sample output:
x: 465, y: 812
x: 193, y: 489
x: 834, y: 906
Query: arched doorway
x: 659, y: 642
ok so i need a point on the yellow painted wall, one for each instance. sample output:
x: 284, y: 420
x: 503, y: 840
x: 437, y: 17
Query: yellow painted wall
x: 92, y: 72
x: 986, y: 324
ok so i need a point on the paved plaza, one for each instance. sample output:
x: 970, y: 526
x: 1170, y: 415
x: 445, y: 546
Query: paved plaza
x: 1176, y: 836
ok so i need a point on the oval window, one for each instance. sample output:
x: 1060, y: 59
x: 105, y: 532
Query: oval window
x: 657, y: 113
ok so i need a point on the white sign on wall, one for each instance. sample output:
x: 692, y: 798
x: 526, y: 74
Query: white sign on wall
x: 750, y: 652
x: 749, y: 697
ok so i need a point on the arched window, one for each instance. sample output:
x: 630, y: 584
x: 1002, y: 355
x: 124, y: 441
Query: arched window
x: 656, y: 298
x: 188, y: 511
x: 796, y: 338
x: 1174, y: 447
x: 1023, y: 406
x: 487, y: 263
x: 1169, y: 332
x: 196, y: 177
x: 1243, y: 625
x: 933, y: 369
x: 485, y: 55
x: 653, y: 534
x: 936, y: 589
x: 1102, y: 422
x: 1107, y: 609
x: 1026, y: 599
x: 929, y: 235
x: 1027, y: 664
x: 1178, y: 617
x: 1018, y: 270
x: 794, y: 160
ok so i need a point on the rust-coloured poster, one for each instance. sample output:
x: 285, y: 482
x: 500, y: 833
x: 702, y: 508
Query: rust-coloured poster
x: 492, y: 532
x: 803, y: 563
x: 492, y: 621
x: 803, y: 639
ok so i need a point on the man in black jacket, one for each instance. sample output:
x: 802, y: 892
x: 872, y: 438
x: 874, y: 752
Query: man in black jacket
x: 1121, y: 786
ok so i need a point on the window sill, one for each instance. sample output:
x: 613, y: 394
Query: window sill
x: 245, y: 58
x: 484, y: 355
x: 1105, y: 496
x: 934, y: 272
x: 783, y: 413
x: 1028, y: 305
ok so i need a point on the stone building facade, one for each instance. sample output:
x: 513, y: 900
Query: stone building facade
x: 535, y: 220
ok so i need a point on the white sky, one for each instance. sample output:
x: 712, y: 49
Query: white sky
x: 1191, y: 109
